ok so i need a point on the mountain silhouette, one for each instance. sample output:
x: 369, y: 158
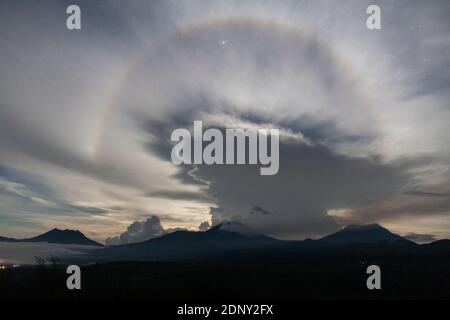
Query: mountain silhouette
x: 58, y: 236
x: 191, y: 244
x: 438, y: 247
x: 4, y: 239
x: 364, y: 234
x: 230, y: 239
x: 232, y: 260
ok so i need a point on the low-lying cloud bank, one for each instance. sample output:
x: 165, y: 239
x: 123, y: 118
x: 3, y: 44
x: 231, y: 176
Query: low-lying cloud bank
x: 27, y: 253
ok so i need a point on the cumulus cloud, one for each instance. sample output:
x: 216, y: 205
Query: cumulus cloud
x: 139, y: 231
x: 204, y: 226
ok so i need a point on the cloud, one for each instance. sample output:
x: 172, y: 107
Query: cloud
x: 204, y: 226
x: 311, y: 181
x: 92, y: 210
x: 181, y: 195
x: 139, y: 231
x: 22, y: 191
x: 394, y: 206
x: 420, y: 238
x: 86, y: 117
x: 427, y: 194
x: 344, y: 156
x: 257, y: 209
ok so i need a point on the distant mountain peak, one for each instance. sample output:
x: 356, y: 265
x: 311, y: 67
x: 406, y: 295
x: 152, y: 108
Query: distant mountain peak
x: 65, y: 236
x: 58, y: 236
x: 363, y: 234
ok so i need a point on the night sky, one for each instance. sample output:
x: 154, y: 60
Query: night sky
x: 86, y: 116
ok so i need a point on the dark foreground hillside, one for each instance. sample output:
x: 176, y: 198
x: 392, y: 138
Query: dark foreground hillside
x: 269, y: 275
